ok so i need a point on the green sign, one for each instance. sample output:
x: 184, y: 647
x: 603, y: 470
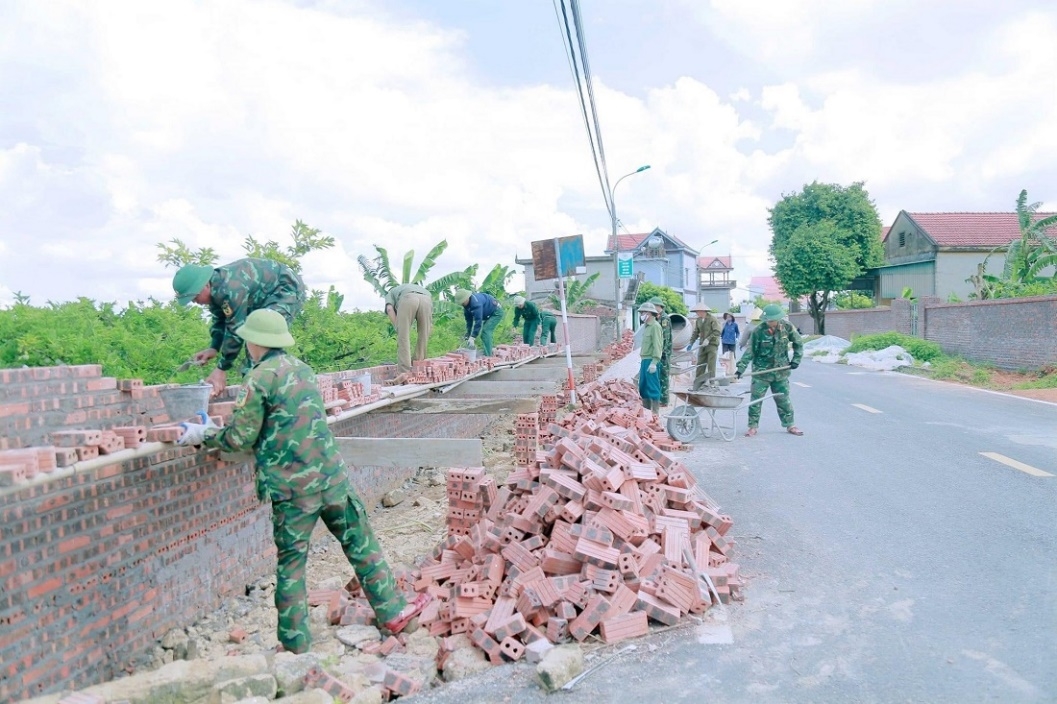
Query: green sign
x: 625, y: 266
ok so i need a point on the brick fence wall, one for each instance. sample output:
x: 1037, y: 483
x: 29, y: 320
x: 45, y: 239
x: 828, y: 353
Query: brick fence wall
x: 1010, y: 333
x: 99, y: 560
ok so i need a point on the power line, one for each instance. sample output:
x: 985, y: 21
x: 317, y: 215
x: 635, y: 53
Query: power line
x: 575, y: 50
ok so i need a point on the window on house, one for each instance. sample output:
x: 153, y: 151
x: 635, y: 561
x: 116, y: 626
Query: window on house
x: 902, y: 239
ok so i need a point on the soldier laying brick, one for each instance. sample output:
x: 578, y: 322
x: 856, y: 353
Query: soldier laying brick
x: 279, y: 414
x: 232, y: 292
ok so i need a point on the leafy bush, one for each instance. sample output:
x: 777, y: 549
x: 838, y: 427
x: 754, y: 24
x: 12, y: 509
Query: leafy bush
x: 673, y: 301
x: 150, y: 340
x: 920, y: 350
x: 852, y: 300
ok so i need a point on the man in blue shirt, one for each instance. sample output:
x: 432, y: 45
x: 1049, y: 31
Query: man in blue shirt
x: 483, y: 314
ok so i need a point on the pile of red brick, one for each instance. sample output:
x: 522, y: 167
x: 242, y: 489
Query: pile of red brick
x: 619, y: 350
x: 342, y: 393
x: 591, y: 535
x: 455, y: 365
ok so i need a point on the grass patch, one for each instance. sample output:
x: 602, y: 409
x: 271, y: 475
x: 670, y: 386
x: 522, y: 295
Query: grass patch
x: 1044, y: 379
x: 920, y: 350
x: 957, y: 369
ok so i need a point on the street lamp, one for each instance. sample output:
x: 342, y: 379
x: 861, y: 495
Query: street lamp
x: 616, y: 248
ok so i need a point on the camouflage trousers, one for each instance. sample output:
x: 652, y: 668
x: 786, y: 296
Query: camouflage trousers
x: 345, y: 516
x: 664, y: 370
x: 778, y: 383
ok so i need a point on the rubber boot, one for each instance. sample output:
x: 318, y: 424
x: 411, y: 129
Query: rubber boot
x: 655, y: 406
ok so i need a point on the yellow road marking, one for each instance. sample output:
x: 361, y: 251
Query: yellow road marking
x: 806, y: 386
x: 866, y: 408
x: 1010, y: 462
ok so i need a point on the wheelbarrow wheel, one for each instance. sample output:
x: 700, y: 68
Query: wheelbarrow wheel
x: 683, y: 423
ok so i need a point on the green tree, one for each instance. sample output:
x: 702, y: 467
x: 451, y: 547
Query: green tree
x: 1036, y: 250
x: 495, y: 281
x: 852, y: 300
x: 673, y: 301
x: 858, y: 226
x: 379, y: 273
x: 306, y: 239
x: 814, y: 262
x: 575, y: 294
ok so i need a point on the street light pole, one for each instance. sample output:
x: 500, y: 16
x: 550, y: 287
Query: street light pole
x: 616, y: 248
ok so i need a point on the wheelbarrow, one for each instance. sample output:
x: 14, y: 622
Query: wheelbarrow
x: 685, y: 421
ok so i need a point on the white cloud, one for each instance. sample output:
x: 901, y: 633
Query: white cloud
x: 140, y: 122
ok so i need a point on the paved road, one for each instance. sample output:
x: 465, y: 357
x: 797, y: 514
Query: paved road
x: 889, y: 560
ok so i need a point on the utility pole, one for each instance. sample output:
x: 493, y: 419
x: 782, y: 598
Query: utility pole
x: 616, y: 248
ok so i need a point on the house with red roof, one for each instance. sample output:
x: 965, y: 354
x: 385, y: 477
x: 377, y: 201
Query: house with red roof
x: 715, y: 283
x: 934, y: 254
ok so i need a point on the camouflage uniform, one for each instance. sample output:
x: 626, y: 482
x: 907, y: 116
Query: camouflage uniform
x: 708, y: 331
x: 280, y: 415
x: 665, y: 367
x: 241, y: 287
x: 768, y: 351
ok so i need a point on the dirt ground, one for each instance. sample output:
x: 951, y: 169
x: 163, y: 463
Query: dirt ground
x: 412, y: 528
x: 1005, y: 381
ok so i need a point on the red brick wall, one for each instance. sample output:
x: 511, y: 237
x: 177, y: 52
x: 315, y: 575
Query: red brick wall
x: 100, y: 560
x: 1010, y: 333
x: 1017, y: 333
x: 95, y: 566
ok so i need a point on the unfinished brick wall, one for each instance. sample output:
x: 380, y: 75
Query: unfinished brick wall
x: 95, y: 566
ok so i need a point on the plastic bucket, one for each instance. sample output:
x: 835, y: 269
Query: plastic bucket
x: 182, y: 402
x: 471, y: 355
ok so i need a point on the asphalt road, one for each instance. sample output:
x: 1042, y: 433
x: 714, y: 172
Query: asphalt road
x: 888, y: 559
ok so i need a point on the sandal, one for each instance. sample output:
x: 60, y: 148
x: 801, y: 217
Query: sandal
x: 750, y: 432
x: 793, y: 430
x: 409, y: 614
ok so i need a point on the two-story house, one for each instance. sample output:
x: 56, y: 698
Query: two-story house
x: 716, y: 283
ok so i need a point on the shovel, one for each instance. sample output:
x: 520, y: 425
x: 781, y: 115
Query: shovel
x: 766, y: 371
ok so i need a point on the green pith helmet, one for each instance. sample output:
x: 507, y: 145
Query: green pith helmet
x: 266, y: 328
x: 647, y: 307
x: 189, y: 282
x: 462, y: 296
x: 657, y: 301
x: 518, y: 301
x: 772, y: 311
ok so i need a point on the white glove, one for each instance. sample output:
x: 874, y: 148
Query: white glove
x: 470, y: 344
x: 194, y: 434
x: 652, y: 369
x: 206, y: 420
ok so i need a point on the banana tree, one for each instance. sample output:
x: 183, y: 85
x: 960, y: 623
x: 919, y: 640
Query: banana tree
x: 1036, y: 250
x: 378, y: 272
x: 575, y: 294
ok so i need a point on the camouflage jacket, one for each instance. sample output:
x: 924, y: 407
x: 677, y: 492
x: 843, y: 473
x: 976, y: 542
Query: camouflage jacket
x: 769, y: 351
x: 241, y: 287
x: 666, y: 331
x: 279, y: 414
x: 708, y: 330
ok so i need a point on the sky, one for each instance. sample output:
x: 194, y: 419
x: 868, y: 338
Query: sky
x: 400, y: 123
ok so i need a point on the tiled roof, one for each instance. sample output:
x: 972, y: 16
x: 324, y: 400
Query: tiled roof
x: 984, y: 230
x: 706, y: 262
x: 767, y: 286
x: 626, y: 242
x: 630, y: 242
